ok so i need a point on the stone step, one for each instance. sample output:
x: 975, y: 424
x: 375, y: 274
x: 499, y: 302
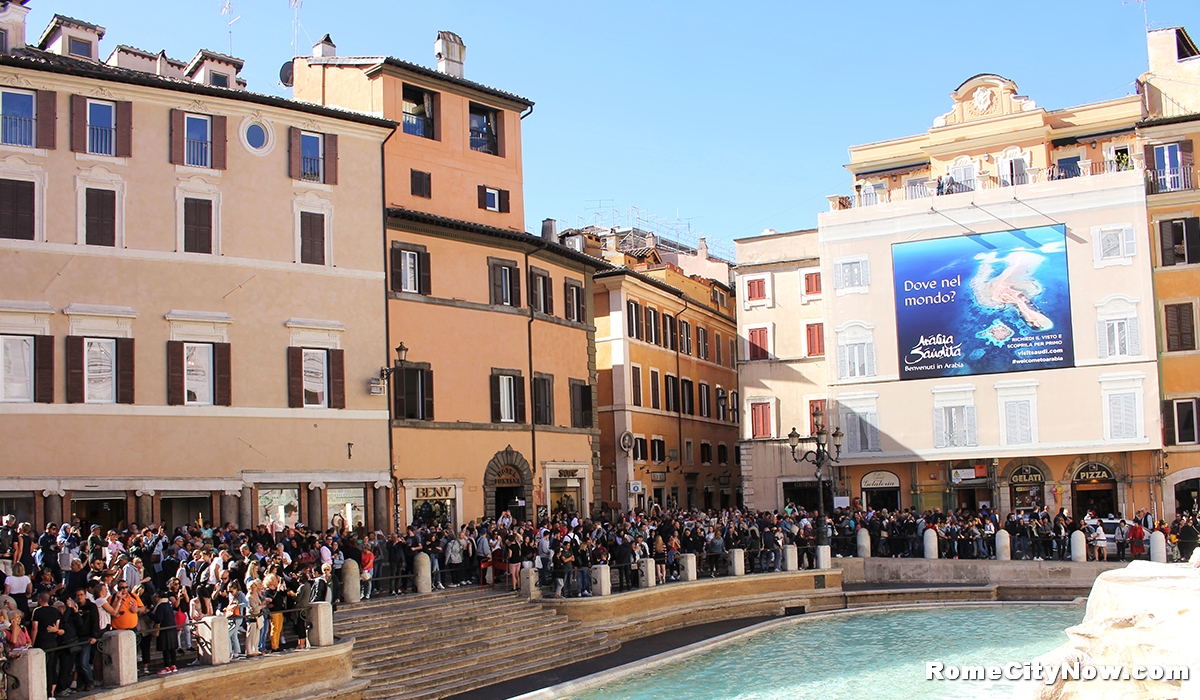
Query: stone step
x: 452, y: 629
x: 490, y: 675
x: 414, y: 619
x: 471, y: 653
x: 415, y: 601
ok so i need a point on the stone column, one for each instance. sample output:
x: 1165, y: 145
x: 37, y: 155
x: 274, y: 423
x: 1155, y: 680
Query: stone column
x: 1158, y: 547
x: 791, y: 558
x: 29, y: 671
x: 320, y: 615
x: 316, y: 512
x: 145, y: 508
x: 529, y: 584
x: 863, y: 539
x: 931, y: 544
x: 687, y: 567
x: 214, y: 630
x: 646, y: 573
x: 602, y: 579
x: 230, y: 508
x: 351, y: 581
x: 422, y: 569
x: 824, y: 559
x: 737, y: 562
x: 1003, y: 545
x: 54, y: 511
x: 1078, y: 546
x: 121, y: 647
x: 246, y: 508
x: 383, y: 508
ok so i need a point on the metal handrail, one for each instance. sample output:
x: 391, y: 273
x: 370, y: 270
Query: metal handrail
x: 17, y: 131
x: 102, y: 140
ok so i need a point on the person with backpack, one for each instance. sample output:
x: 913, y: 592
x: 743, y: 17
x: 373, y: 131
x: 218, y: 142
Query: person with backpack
x: 454, y: 559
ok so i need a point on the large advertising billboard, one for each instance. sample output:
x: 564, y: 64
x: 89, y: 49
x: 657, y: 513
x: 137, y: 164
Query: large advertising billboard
x: 984, y: 303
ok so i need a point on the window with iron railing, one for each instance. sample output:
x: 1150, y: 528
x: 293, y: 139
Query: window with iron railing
x: 418, y: 111
x: 311, y: 158
x: 102, y: 132
x: 483, y: 130
x: 418, y: 125
x: 17, y: 118
x: 198, y: 141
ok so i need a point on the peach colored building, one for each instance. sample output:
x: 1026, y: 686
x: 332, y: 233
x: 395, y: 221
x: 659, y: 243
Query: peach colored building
x: 191, y: 304
x: 493, y: 403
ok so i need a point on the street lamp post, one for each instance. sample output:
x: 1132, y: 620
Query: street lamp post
x: 820, y: 458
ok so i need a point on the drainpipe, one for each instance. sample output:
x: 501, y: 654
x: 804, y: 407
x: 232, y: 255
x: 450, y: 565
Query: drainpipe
x: 387, y: 326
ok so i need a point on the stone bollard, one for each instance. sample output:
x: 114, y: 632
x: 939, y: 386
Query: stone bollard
x: 1003, y: 546
x: 121, y: 647
x: 601, y: 580
x: 931, y: 544
x: 422, y: 568
x: 646, y: 573
x: 737, y: 562
x: 687, y: 567
x: 351, y: 582
x: 215, y: 631
x: 529, y: 584
x: 824, y: 557
x: 863, y: 539
x: 1078, y: 546
x: 29, y: 670
x: 1158, y: 547
x: 791, y: 558
x: 320, y: 619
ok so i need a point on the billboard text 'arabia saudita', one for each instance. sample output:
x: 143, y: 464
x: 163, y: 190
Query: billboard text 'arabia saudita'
x: 984, y: 303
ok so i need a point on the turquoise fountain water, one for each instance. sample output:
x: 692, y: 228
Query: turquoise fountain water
x: 859, y: 656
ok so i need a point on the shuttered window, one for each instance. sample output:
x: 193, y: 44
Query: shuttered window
x: 1180, y: 239
x: 685, y: 337
x: 1182, y: 425
x: 508, y: 396
x: 705, y: 401
x: 100, y: 370
x: 856, y: 360
x: 422, y: 184
x: 861, y: 431
x: 581, y: 404
x: 653, y: 334
x: 312, y: 238
x: 574, y: 308
x: 655, y: 390
x: 702, y: 343
x: 636, y: 382
x: 541, y: 294
x: 100, y: 217
x: 410, y: 269
x: 1122, y: 416
x: 493, y: 199
x: 543, y: 399
x: 760, y: 419
x: 505, y: 283
x: 756, y: 289
x: 198, y: 374
x: 1118, y: 337
x: 671, y: 385
x: 687, y: 397
x: 316, y: 378
x: 812, y: 283
x: 670, y: 340
x: 955, y: 426
x: 758, y: 341
x: 719, y: 348
x: 1018, y: 422
x: 816, y: 339
x: 413, y: 393
x: 1180, y: 327
x: 633, y: 319
x: 16, y: 210
x: 197, y: 225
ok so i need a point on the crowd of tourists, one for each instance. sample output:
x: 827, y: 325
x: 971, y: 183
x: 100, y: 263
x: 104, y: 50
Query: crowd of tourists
x: 164, y: 584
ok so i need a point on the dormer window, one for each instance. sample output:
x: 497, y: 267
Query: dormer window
x: 218, y: 80
x: 102, y: 128
x: 80, y: 48
x: 198, y: 141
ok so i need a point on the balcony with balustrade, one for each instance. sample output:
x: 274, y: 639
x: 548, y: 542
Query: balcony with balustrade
x: 17, y: 131
x: 198, y: 153
x: 102, y: 140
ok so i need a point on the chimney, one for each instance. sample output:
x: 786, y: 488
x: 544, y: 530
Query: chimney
x: 324, y: 48
x: 450, y: 52
x: 550, y: 230
x: 702, y: 249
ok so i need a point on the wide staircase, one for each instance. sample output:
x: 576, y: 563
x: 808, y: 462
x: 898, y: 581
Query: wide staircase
x: 436, y: 645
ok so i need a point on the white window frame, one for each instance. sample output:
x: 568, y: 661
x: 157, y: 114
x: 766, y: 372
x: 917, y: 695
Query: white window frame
x: 15, y: 167
x: 29, y: 374
x: 491, y: 199
x: 1016, y: 391
x: 770, y: 328
x: 324, y: 355
x: 1112, y: 312
x: 1121, y: 384
x: 646, y: 456
x: 805, y: 297
x: 508, y: 398
x: 650, y: 449
x: 685, y: 339
x: 1126, y: 235
x: 33, y: 145
x: 851, y: 336
x: 87, y: 372
x: 207, y: 119
x: 1195, y: 421
x: 99, y: 177
x: 321, y: 150
x: 113, y: 126
x: 703, y: 399
x: 768, y: 300
x: 198, y: 188
x: 314, y: 204
x: 653, y: 330
x: 841, y: 286
x: 506, y: 273
x: 946, y: 401
x: 187, y: 382
x: 1005, y: 175
x: 410, y: 281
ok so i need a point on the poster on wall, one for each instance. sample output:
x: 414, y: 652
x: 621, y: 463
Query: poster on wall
x: 983, y: 304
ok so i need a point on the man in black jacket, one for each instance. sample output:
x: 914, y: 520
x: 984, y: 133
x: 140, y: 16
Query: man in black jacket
x: 89, y: 629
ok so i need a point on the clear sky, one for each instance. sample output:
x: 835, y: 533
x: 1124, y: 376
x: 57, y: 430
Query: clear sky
x: 730, y: 117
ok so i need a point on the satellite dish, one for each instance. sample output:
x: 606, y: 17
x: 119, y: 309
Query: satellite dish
x: 626, y: 441
x: 286, y: 75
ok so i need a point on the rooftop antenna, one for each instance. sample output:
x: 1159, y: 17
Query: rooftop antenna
x: 1145, y: 21
x: 296, y: 5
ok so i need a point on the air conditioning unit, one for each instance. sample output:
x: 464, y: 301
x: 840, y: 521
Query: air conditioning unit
x: 575, y: 243
x: 636, y: 487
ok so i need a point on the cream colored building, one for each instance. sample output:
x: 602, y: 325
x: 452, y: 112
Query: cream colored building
x: 193, y: 291
x: 781, y: 363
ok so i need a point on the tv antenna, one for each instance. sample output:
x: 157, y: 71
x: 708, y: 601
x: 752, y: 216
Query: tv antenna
x: 1145, y: 22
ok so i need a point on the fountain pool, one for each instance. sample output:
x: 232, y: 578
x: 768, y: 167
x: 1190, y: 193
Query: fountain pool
x: 849, y: 656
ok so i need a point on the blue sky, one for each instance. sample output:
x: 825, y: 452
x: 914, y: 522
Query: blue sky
x: 730, y: 117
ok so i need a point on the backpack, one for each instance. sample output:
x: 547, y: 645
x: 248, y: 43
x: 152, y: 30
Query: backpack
x: 454, y: 552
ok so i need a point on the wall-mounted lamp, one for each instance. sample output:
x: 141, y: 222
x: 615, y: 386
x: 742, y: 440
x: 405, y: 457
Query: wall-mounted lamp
x: 401, y: 357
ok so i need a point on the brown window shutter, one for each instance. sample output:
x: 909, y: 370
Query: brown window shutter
x: 331, y: 159
x: 125, y: 371
x: 175, y: 376
x: 43, y: 368
x: 100, y: 224
x: 78, y: 124
x: 482, y: 197
x: 74, y: 348
x: 1149, y: 155
x: 495, y: 384
x: 549, y: 297
x: 1168, y: 415
x: 516, y: 287
x: 219, y: 142
x: 295, y: 364
x: 177, y: 132
x: 337, y: 378
x: 1166, y: 236
x: 397, y: 270
x: 293, y: 153
x: 47, y: 119
x: 585, y: 401
x: 424, y: 277
x: 16, y: 210
x: 1191, y: 236
x: 519, y: 399
x: 312, y: 238
x: 124, y: 130
x: 1186, y: 155
x: 222, y: 375
x: 399, y: 394
x: 428, y: 414
x: 503, y: 201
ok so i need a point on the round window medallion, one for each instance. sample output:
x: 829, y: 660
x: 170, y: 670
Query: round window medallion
x: 256, y: 136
